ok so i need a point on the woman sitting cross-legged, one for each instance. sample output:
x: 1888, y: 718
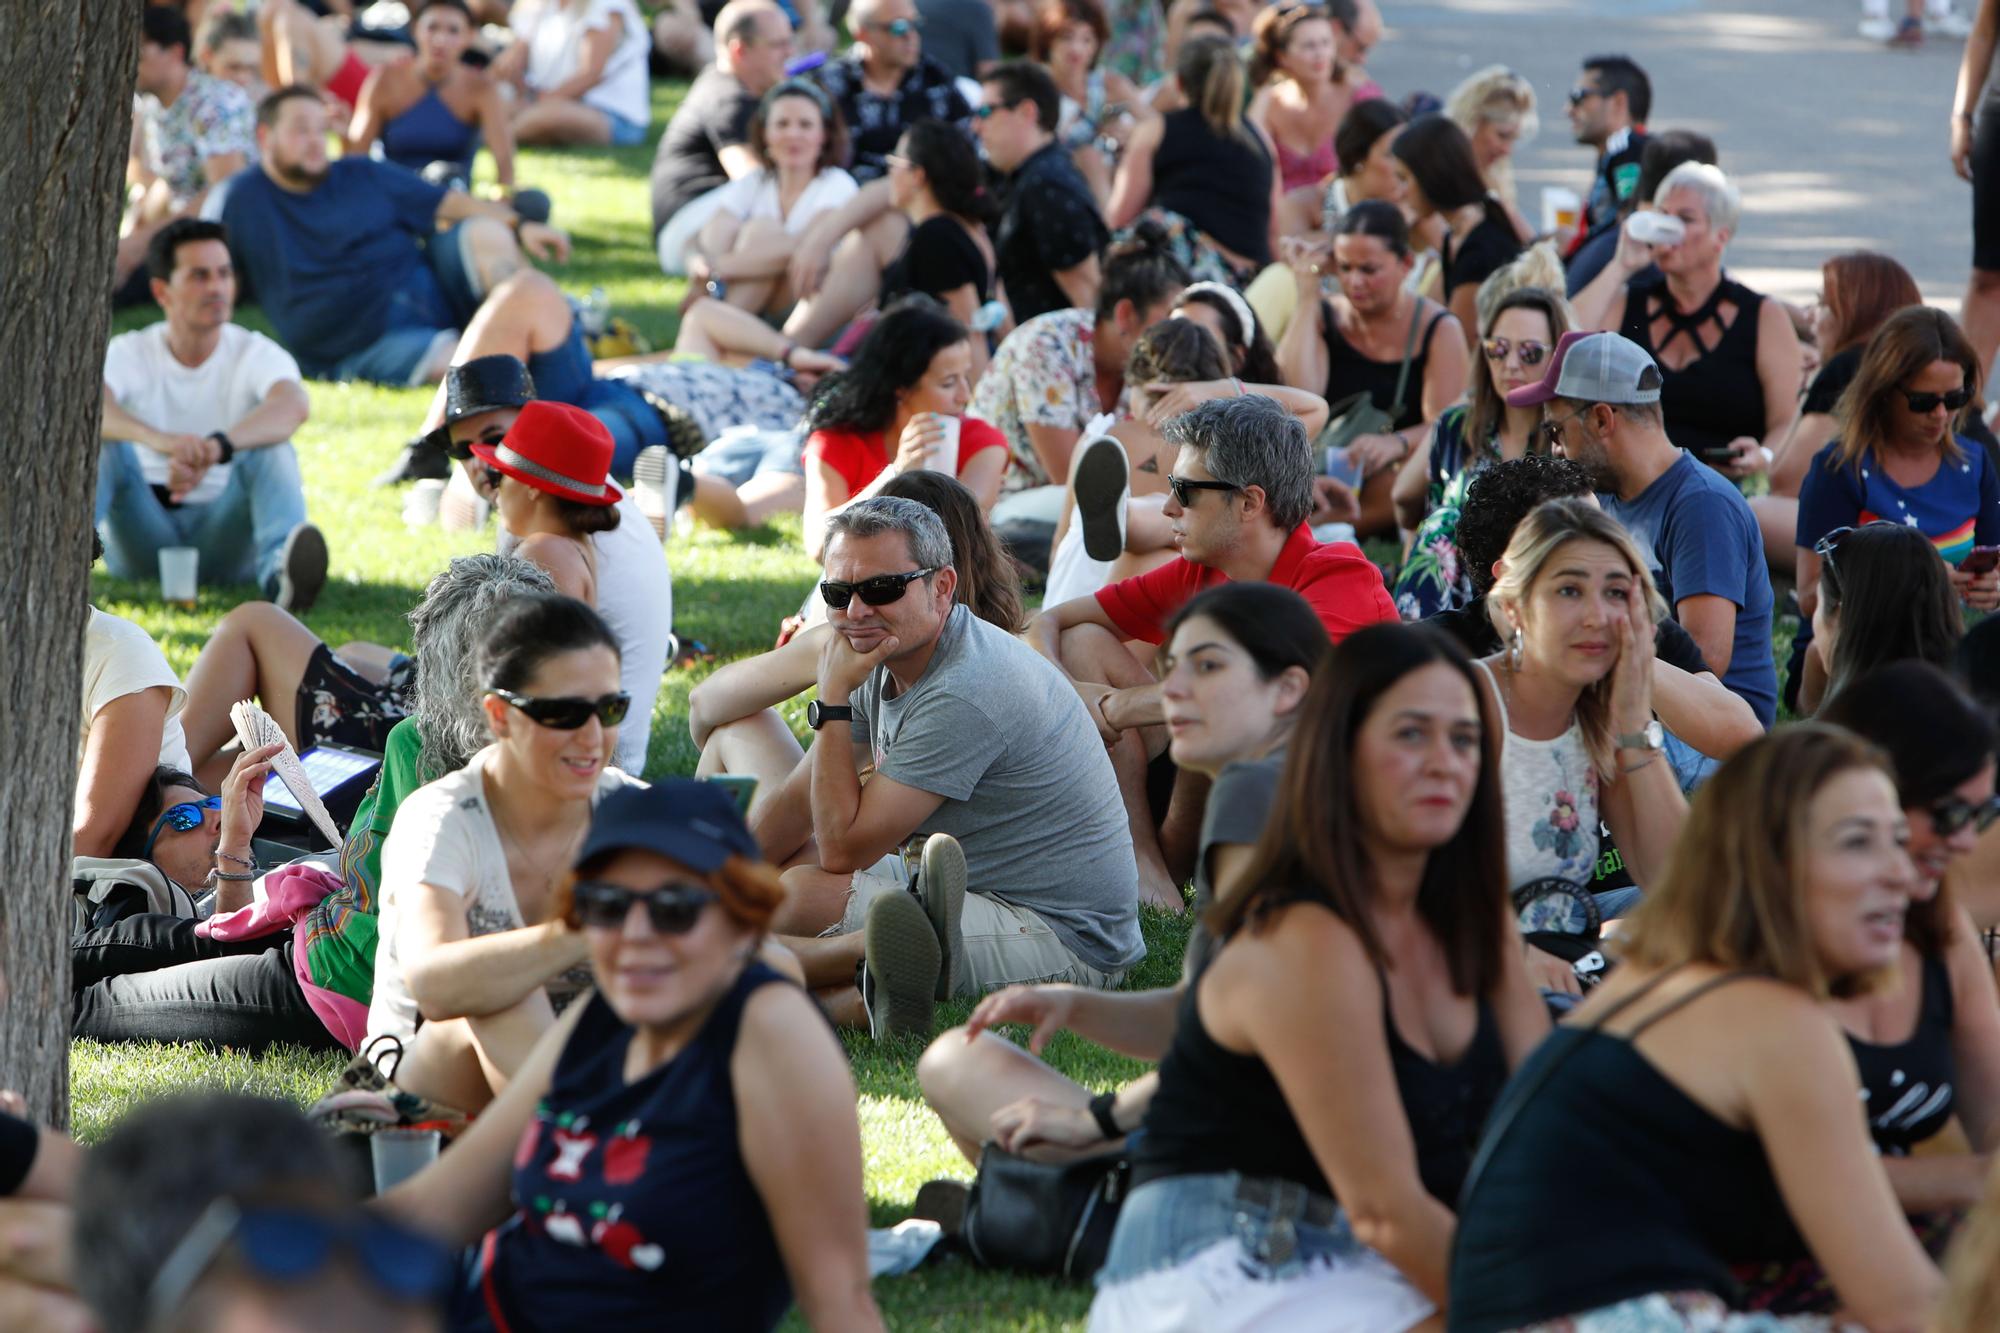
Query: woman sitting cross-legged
x: 1238, y: 660
x: 682, y: 1148
x: 471, y: 967
x: 1705, y: 1091
x: 886, y: 413
x: 1928, y: 1041
x: 1282, y: 1175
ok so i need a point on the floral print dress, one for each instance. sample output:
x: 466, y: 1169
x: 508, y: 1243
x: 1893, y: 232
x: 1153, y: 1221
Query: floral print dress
x: 1434, y: 579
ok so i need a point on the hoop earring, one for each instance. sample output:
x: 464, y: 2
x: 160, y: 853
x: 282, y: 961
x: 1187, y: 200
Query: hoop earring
x: 1516, y: 650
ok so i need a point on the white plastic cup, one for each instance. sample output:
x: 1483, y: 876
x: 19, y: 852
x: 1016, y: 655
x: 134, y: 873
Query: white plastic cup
x: 179, y: 567
x: 944, y: 458
x: 1652, y: 228
x: 401, y: 1153
x: 1561, y: 207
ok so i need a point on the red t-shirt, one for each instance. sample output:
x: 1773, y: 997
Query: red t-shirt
x: 859, y: 459
x: 1343, y: 587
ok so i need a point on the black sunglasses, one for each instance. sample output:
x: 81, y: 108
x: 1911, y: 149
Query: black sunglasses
x: 180, y: 818
x: 569, y: 714
x: 1950, y: 814
x: 1923, y: 404
x: 878, y: 591
x: 1532, y: 352
x: 1580, y: 94
x: 672, y: 908
x: 1184, y: 489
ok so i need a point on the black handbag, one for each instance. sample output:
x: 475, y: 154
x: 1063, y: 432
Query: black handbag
x: 1040, y: 1217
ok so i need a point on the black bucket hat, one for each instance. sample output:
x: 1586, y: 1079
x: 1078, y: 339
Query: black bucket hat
x: 480, y: 385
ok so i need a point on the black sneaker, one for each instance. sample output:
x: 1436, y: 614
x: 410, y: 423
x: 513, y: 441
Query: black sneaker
x: 301, y: 570
x: 1103, y: 480
x: 420, y: 461
x: 899, y: 978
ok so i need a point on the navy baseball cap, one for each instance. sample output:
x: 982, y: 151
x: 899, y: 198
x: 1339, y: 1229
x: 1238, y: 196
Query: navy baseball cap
x: 694, y: 823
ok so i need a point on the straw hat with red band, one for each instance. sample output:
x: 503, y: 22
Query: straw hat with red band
x: 559, y: 449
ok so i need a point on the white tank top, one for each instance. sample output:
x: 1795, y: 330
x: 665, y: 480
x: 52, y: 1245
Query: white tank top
x: 1549, y: 791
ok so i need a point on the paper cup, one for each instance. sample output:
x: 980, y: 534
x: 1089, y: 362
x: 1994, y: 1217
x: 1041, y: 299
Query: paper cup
x: 945, y: 457
x: 1656, y: 228
x: 400, y: 1154
x: 1561, y: 207
x: 179, y: 566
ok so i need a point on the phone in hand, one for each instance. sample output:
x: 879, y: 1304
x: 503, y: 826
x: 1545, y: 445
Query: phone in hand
x: 1980, y: 560
x: 741, y: 786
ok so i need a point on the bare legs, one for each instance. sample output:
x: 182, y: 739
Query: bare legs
x: 965, y: 1082
x: 853, y: 281
x: 258, y: 651
x: 554, y: 121
x: 1980, y: 315
x: 522, y: 315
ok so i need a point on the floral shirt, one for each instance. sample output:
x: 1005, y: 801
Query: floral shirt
x: 211, y: 117
x: 1433, y: 579
x: 1043, y: 375
x: 875, y: 121
x: 1551, y: 803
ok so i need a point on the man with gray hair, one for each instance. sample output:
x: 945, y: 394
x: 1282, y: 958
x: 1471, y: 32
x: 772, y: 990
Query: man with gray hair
x: 1241, y: 489
x: 982, y: 765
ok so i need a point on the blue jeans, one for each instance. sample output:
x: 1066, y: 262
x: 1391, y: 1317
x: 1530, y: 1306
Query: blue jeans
x: 240, y: 534
x: 434, y: 303
x: 563, y: 375
x: 743, y: 452
x: 624, y: 133
x: 1165, y: 1222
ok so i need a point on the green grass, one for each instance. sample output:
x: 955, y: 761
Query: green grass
x: 729, y: 592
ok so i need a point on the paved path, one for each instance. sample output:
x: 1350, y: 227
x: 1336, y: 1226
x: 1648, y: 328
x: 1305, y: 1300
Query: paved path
x: 1837, y: 143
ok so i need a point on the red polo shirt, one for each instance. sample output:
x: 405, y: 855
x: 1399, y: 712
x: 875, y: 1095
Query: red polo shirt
x: 1343, y: 587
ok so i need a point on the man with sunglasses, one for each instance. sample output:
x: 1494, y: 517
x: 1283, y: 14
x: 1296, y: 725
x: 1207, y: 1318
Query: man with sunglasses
x: 968, y: 734
x: 1241, y: 496
x: 885, y: 82
x: 1607, y: 111
x: 1601, y: 407
x: 1050, y: 232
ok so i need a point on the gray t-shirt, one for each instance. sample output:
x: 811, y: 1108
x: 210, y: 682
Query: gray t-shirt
x: 961, y: 35
x: 1029, y: 793
x: 1239, y: 805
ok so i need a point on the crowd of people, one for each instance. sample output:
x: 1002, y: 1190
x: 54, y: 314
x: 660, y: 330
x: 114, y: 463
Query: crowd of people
x: 1547, y: 671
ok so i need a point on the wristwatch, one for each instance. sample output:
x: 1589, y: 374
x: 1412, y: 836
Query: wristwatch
x: 1652, y: 737
x: 224, y: 444
x: 819, y: 714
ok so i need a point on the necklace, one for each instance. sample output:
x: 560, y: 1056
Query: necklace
x: 545, y: 874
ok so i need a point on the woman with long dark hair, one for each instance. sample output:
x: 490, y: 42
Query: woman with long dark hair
x: 1442, y: 179
x: 1280, y: 1172
x: 911, y: 374
x: 1884, y: 597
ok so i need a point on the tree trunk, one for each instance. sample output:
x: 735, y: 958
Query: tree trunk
x: 66, y: 74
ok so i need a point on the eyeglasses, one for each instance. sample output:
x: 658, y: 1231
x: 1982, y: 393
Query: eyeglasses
x: 1923, y: 404
x: 569, y: 714
x: 289, y: 1246
x: 1532, y: 352
x: 878, y: 591
x: 181, y: 818
x: 1184, y: 489
x: 672, y: 908
x: 1950, y: 814
x: 898, y: 27
x: 1580, y: 94
x: 1552, y: 430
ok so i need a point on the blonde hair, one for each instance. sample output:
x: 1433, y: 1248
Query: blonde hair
x: 1734, y: 893
x: 1536, y: 266
x: 1545, y: 531
x: 1496, y: 94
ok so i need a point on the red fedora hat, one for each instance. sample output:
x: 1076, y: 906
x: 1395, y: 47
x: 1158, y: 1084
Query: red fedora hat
x: 557, y: 448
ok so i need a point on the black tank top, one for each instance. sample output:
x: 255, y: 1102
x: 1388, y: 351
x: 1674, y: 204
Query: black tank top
x: 1348, y: 372
x: 1217, y: 1111
x: 1716, y: 397
x: 1907, y: 1088
x: 1221, y: 183
x: 1609, y: 1183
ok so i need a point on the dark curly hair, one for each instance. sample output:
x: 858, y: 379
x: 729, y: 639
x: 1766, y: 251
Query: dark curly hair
x: 897, y: 352
x: 1140, y: 268
x: 1500, y: 496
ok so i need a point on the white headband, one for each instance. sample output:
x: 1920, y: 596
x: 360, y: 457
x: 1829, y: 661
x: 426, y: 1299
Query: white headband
x: 1233, y: 301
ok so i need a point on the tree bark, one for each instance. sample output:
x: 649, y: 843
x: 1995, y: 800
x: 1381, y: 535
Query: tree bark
x: 66, y: 76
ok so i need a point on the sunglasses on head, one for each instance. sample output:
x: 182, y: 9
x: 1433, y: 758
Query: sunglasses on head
x: 1532, y: 352
x: 181, y: 818
x: 878, y: 591
x: 1923, y: 404
x: 569, y: 714
x: 288, y: 1246
x: 672, y: 908
x: 1827, y: 545
x: 1950, y: 814
x: 1184, y: 488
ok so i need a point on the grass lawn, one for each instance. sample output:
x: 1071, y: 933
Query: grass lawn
x: 729, y: 592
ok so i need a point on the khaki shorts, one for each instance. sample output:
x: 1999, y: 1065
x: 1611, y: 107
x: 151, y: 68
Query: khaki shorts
x: 1004, y: 944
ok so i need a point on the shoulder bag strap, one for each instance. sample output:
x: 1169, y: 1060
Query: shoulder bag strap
x: 1409, y: 351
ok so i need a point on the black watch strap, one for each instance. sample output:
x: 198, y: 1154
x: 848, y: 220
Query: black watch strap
x: 228, y: 446
x: 819, y: 714
x: 1100, y: 1111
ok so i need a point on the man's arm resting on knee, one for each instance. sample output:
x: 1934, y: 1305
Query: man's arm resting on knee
x: 453, y: 976
x: 537, y: 238
x: 1118, y: 709
x: 1045, y: 631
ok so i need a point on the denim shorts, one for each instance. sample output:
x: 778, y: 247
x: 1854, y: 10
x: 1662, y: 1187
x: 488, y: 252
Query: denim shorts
x: 563, y: 374
x: 1190, y: 1252
x: 425, y: 314
x: 743, y: 452
x: 624, y: 133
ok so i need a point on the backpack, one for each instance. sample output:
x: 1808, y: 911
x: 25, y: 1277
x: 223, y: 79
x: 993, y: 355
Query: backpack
x: 106, y: 890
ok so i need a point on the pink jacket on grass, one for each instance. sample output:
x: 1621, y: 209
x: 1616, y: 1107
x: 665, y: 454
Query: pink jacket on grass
x: 290, y: 894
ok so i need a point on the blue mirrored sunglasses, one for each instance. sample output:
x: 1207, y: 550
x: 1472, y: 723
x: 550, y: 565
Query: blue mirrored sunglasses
x: 180, y: 818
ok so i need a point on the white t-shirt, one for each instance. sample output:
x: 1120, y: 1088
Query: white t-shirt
x: 119, y: 659
x: 444, y: 836
x: 635, y: 595
x: 148, y: 382
x: 554, y: 29
x: 756, y: 196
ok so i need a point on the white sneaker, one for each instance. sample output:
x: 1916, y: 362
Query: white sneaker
x: 1878, y: 29
x: 656, y: 480
x: 1947, y: 23
x: 1102, y: 480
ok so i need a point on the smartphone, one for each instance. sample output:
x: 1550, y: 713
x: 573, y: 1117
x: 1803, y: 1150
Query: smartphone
x: 741, y: 786
x: 1980, y: 560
